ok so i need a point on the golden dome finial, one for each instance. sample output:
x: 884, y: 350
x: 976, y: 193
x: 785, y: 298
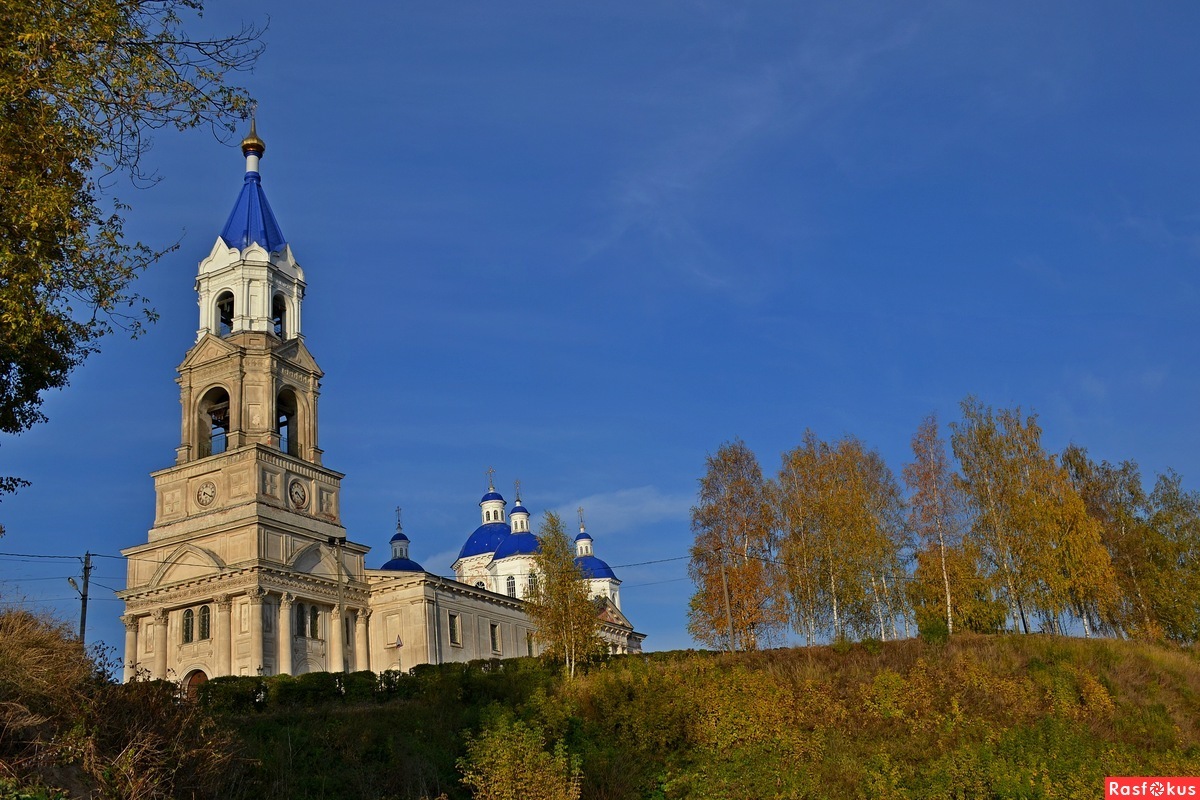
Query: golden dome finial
x: 253, y: 144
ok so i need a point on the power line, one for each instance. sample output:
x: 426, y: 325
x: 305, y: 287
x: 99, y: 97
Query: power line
x: 656, y: 583
x: 35, y: 556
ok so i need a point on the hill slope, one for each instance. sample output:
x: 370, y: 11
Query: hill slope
x: 1000, y: 716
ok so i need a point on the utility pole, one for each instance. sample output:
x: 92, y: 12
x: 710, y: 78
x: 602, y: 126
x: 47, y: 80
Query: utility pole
x: 83, y: 594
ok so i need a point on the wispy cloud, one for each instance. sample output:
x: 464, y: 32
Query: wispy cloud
x: 627, y: 509
x: 1163, y: 234
x: 708, y: 120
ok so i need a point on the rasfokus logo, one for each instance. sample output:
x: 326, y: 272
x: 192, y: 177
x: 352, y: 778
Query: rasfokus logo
x: 1151, y: 787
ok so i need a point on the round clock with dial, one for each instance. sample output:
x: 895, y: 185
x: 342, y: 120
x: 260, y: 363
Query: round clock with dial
x: 298, y: 493
x: 206, y: 493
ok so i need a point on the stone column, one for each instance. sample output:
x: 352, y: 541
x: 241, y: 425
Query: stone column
x: 362, y: 658
x: 224, y: 632
x: 131, y: 645
x: 256, y: 594
x: 284, y: 634
x: 335, y: 656
x: 160, y: 643
x: 433, y: 624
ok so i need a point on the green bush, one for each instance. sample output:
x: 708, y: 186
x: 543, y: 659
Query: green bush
x: 933, y: 629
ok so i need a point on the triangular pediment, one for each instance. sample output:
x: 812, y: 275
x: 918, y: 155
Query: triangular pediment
x: 187, y: 562
x: 607, y: 611
x: 294, y: 351
x: 209, y: 348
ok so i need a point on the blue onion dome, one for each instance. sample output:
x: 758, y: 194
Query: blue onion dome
x: 518, y: 544
x: 592, y: 567
x: 403, y: 565
x: 492, y: 495
x: 399, y: 537
x: 518, y: 509
x: 583, y: 536
x: 485, y: 539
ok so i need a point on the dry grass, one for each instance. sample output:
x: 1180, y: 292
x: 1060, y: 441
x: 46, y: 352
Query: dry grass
x: 64, y: 723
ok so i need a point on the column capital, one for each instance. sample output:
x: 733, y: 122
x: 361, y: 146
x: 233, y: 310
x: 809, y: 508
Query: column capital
x: 130, y: 621
x: 285, y: 600
x: 256, y: 594
x: 160, y: 616
x: 362, y: 615
x: 223, y: 602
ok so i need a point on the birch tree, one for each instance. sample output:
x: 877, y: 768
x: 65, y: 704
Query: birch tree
x: 841, y: 540
x: 989, y: 476
x: 565, y: 620
x: 1175, y: 521
x: 1030, y: 522
x: 1115, y: 497
x: 935, y: 507
x: 732, y: 557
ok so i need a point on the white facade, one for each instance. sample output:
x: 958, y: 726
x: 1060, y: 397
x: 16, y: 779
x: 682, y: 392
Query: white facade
x: 247, y: 569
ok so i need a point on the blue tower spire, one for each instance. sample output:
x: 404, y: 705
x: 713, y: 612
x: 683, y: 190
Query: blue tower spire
x: 251, y: 221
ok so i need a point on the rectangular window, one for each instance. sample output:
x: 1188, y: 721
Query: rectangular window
x: 495, y: 638
x: 529, y: 643
x: 455, y: 630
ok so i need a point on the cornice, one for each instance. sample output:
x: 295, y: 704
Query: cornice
x: 235, y: 581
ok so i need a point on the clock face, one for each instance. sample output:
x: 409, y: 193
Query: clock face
x: 298, y: 494
x: 206, y: 493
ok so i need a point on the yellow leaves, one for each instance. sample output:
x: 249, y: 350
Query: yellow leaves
x: 732, y: 554
x: 740, y: 708
x: 508, y: 760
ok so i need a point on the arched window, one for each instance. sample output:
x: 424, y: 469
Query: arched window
x: 224, y: 314
x: 512, y: 586
x: 213, y: 432
x: 531, y: 584
x: 301, y: 619
x: 205, y: 622
x: 189, y: 626
x: 279, y: 316
x: 312, y: 623
x: 285, y: 409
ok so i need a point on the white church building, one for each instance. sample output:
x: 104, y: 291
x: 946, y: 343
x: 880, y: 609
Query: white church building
x: 247, y: 569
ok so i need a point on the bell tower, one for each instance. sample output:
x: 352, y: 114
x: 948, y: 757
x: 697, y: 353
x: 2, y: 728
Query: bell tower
x: 248, y: 519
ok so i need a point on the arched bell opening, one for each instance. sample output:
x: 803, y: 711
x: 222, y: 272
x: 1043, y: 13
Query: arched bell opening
x: 279, y: 316
x: 287, y: 426
x: 213, y: 422
x: 224, y: 315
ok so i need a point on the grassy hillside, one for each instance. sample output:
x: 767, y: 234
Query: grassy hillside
x: 1000, y: 716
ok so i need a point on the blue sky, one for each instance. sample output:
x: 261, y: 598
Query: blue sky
x: 585, y: 244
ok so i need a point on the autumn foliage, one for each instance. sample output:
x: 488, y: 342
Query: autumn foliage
x: 1004, y: 536
x: 975, y: 716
